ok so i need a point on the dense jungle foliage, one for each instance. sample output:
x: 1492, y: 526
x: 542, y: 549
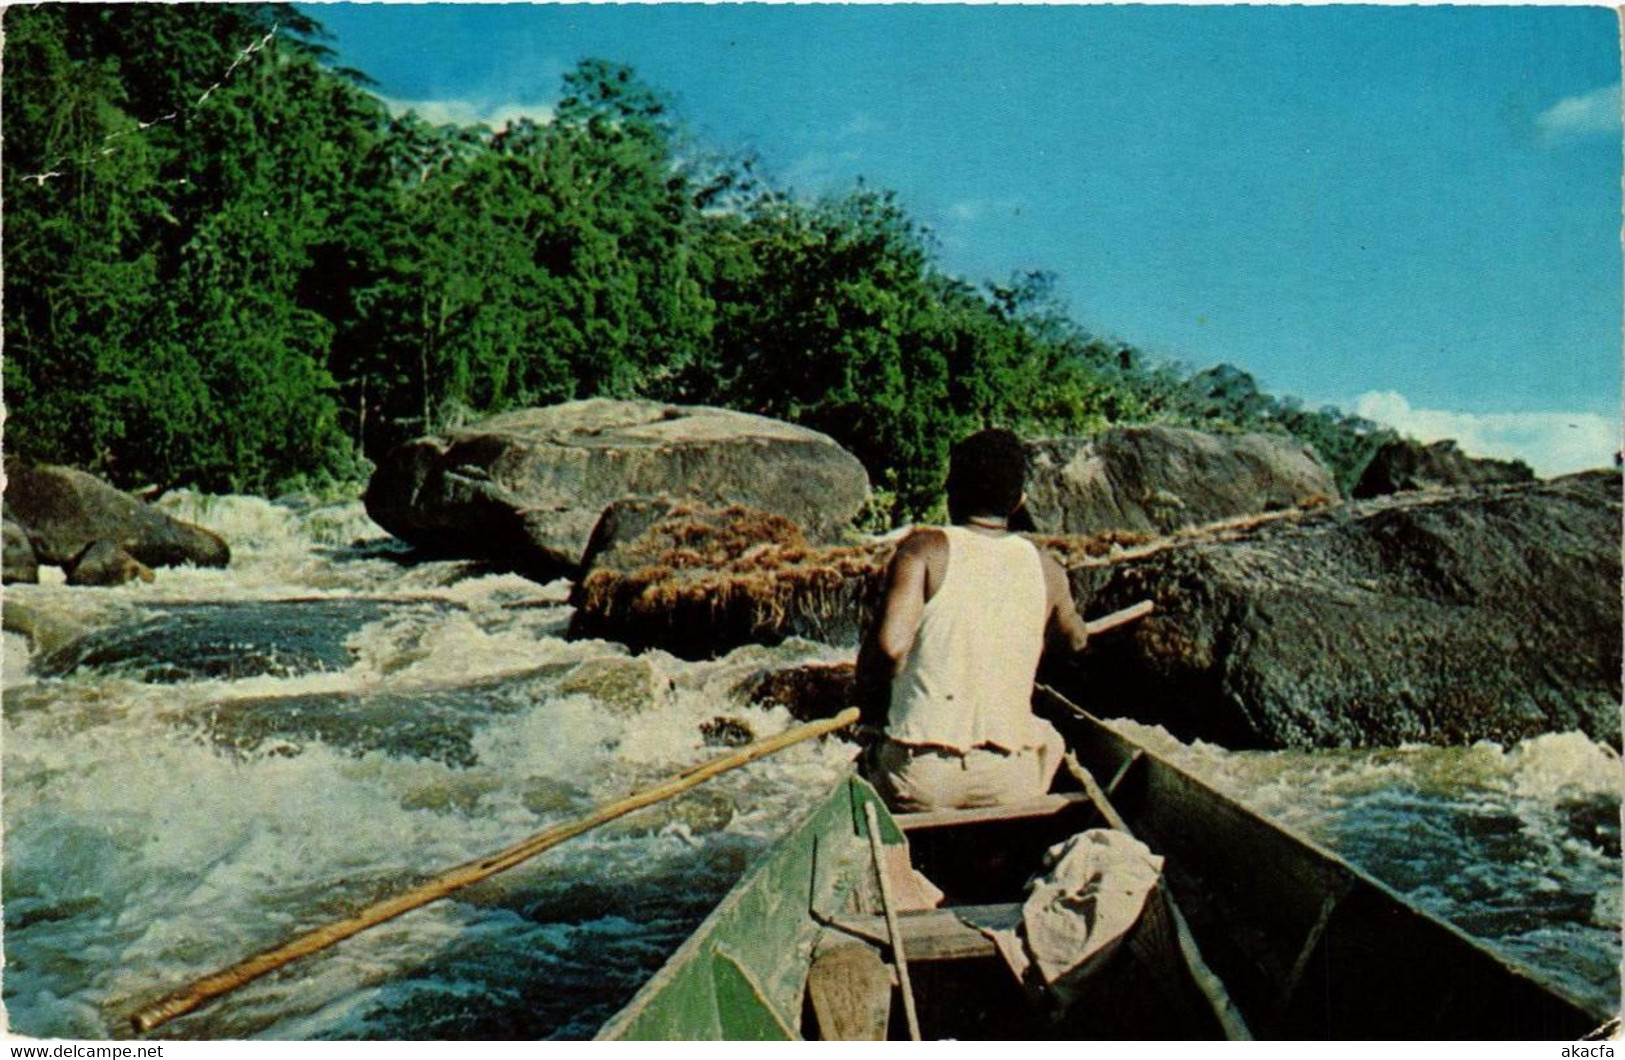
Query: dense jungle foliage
x: 228, y: 265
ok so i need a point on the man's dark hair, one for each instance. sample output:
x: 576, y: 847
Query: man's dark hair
x: 986, y: 474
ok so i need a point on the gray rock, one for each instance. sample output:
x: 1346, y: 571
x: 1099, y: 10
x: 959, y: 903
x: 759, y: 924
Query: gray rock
x: 66, y: 511
x: 20, y: 563
x: 1442, y: 617
x: 177, y: 642
x: 624, y: 686
x: 1406, y: 465
x: 807, y: 690
x: 623, y: 522
x: 526, y: 489
x: 1158, y: 479
x: 104, y: 563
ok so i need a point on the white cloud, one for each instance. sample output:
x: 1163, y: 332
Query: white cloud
x: 1596, y: 111
x: 969, y: 210
x: 820, y: 170
x: 859, y: 124
x: 469, y: 112
x: 1553, y: 443
x: 833, y: 154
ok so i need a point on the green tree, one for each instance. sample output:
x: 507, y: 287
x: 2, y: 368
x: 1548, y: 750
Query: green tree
x: 157, y: 297
x: 79, y: 275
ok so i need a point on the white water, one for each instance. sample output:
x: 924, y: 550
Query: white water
x: 156, y: 832
x: 143, y: 849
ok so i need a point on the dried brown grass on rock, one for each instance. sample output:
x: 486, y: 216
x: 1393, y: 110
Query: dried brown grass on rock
x: 723, y: 577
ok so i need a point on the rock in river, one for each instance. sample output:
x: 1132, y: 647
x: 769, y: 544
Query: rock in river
x: 1157, y: 479
x: 1403, y: 464
x: 65, y: 511
x: 104, y: 563
x: 20, y: 563
x: 700, y: 582
x: 526, y: 488
x: 1442, y: 617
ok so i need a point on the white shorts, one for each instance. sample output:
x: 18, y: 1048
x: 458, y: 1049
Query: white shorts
x: 912, y: 777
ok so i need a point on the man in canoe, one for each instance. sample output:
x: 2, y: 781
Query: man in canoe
x: 950, y: 660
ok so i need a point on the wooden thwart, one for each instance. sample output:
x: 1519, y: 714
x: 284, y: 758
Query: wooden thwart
x: 953, y: 933
x: 1043, y: 806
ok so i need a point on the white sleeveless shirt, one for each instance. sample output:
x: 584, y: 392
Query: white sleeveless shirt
x: 968, y: 680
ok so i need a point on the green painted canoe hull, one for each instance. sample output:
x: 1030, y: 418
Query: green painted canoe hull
x: 742, y: 973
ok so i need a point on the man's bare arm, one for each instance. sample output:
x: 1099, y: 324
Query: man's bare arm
x: 1066, y: 626
x: 891, y: 634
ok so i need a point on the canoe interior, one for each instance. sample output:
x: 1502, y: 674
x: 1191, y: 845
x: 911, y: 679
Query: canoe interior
x: 1308, y: 946
x: 1305, y: 945
x: 1142, y: 991
x: 743, y: 973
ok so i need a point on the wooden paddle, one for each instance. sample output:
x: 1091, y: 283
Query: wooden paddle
x: 212, y: 986
x: 1132, y: 613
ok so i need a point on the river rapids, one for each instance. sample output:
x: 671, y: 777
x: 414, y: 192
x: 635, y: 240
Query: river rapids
x: 201, y: 767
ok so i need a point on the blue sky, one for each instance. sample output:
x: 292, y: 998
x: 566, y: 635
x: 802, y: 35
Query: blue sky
x: 1409, y: 212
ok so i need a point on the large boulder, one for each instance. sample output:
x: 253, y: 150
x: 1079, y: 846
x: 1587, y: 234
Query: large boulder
x: 1403, y: 464
x: 21, y: 565
x: 1441, y: 617
x: 1158, y: 479
x: 65, y: 511
x: 526, y: 488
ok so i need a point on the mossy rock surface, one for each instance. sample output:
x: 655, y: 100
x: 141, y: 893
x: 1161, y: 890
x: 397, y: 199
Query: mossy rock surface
x: 621, y: 685
x: 703, y: 581
x: 809, y: 691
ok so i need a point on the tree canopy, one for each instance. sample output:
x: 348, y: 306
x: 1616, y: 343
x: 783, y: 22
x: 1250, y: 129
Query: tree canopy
x: 228, y: 265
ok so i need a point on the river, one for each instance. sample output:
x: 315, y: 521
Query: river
x: 197, y: 768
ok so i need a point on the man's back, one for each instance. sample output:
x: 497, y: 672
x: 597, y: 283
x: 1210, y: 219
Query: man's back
x: 967, y: 679
x: 952, y: 655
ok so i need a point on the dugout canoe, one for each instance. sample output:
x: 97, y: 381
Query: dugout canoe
x: 1254, y: 931
x: 1308, y: 945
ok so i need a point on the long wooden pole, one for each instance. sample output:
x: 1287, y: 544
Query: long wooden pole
x: 893, y: 930
x: 211, y: 986
x: 1128, y: 614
